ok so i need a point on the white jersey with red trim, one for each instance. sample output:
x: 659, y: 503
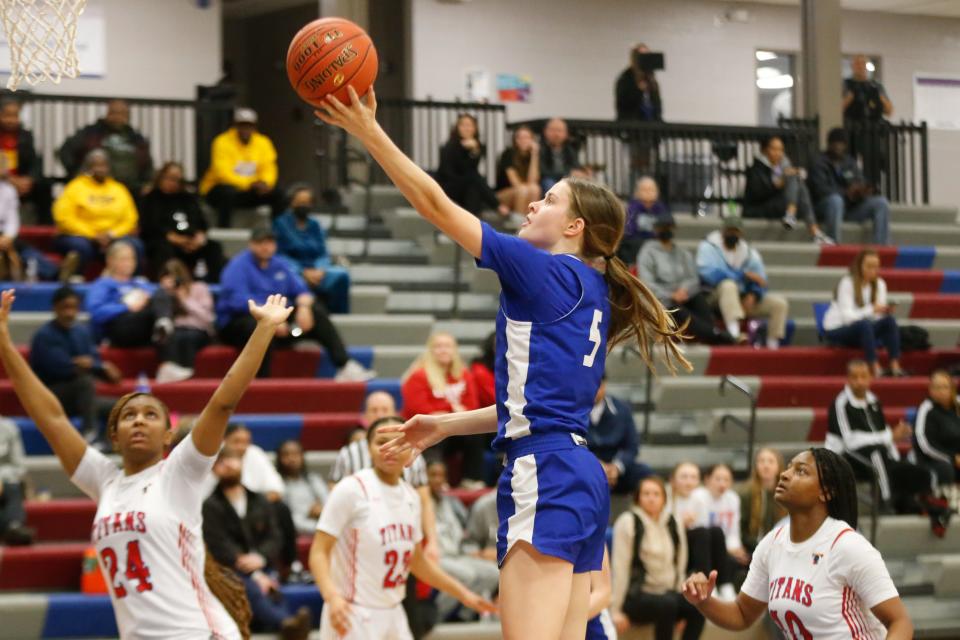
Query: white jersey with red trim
x: 149, y: 542
x: 822, y: 588
x: 377, y: 527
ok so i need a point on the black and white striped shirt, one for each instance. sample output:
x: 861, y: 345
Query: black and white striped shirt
x: 356, y: 456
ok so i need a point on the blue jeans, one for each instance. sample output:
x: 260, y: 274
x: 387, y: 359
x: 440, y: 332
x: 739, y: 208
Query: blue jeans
x: 869, y: 334
x: 88, y: 249
x: 833, y: 210
x: 46, y: 270
x: 335, y: 289
x: 268, y: 614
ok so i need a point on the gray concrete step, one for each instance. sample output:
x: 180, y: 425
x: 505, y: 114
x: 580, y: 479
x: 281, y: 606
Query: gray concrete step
x: 382, y: 197
x: 471, y: 305
x: 772, y: 425
x: 392, y: 361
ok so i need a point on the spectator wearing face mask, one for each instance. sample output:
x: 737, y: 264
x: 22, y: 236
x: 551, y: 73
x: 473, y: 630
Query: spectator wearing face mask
x: 735, y: 272
x: 303, y: 242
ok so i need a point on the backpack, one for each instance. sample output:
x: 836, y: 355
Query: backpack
x: 913, y: 338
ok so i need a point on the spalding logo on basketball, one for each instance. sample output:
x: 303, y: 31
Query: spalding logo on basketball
x: 329, y: 55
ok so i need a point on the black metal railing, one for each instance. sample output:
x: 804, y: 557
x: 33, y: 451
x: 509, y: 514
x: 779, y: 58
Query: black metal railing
x: 894, y: 158
x: 750, y: 425
x: 419, y: 128
x: 695, y: 164
x: 180, y: 130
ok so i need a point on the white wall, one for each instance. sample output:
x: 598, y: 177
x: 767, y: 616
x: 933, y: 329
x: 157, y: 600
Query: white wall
x: 574, y: 50
x: 155, y: 49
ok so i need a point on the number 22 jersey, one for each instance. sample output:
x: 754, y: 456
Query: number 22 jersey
x: 149, y: 540
x: 551, y: 338
x: 822, y: 588
x: 377, y: 527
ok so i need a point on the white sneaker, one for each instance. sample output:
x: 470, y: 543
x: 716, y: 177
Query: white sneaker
x: 172, y: 372
x: 353, y: 371
x: 726, y: 592
x: 823, y: 239
x: 790, y: 221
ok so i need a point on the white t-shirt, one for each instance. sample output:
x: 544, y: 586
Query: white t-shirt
x: 149, y: 542
x: 844, y: 310
x: 377, y: 527
x: 258, y: 474
x: 723, y: 512
x: 825, y: 586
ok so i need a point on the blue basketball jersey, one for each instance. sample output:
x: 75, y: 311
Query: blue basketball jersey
x: 551, y: 338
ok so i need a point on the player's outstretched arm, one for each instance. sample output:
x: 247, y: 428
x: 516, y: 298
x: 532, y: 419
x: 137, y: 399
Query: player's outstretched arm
x: 41, y: 405
x: 319, y: 562
x: 421, y: 432
x: 359, y: 119
x: 733, y: 616
x: 208, y: 433
x: 430, y: 572
x: 895, y: 618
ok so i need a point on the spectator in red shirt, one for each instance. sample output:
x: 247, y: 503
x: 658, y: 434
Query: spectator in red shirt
x: 481, y: 368
x: 437, y: 383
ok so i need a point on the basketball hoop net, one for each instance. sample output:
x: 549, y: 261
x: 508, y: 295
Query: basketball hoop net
x: 42, y: 35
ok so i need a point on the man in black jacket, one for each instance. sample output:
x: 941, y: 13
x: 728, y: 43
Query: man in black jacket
x: 775, y: 189
x: 128, y: 150
x: 24, y: 166
x: 840, y: 192
x: 240, y: 531
x: 857, y: 426
x: 637, y: 91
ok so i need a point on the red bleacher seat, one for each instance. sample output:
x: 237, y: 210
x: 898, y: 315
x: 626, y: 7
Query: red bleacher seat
x: 794, y: 391
x: 48, y: 566
x: 930, y: 305
x: 913, y: 280
x: 814, y: 361
x: 263, y: 396
x: 60, y: 520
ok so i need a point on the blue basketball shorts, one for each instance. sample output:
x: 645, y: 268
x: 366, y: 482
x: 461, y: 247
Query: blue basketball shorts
x: 553, y: 494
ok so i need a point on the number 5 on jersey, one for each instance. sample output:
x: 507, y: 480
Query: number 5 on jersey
x: 595, y: 338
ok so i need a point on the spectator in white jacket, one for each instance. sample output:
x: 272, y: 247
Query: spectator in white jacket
x: 719, y: 506
x: 861, y: 316
x: 707, y: 543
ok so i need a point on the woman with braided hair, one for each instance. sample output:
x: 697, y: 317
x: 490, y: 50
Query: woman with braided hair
x: 147, y: 529
x: 816, y: 576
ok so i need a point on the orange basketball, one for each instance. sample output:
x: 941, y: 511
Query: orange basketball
x: 329, y: 55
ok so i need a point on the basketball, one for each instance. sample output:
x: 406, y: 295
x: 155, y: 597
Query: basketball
x: 327, y: 56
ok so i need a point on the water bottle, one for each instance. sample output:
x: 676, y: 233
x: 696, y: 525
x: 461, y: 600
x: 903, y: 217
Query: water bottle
x: 143, y: 383
x: 32, y: 267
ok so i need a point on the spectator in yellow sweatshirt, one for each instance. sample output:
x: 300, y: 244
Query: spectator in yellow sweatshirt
x: 243, y: 169
x: 93, y: 211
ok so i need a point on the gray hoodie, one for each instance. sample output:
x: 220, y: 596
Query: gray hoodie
x: 666, y: 270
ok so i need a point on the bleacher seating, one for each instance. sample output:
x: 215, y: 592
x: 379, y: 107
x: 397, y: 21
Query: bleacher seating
x: 403, y: 288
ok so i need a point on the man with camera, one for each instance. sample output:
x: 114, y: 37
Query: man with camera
x: 865, y: 103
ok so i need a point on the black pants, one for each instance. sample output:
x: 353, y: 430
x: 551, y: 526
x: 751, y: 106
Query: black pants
x: 900, y: 481
x: 11, y: 506
x: 702, y: 327
x: 78, y: 397
x: 225, y: 198
x: 664, y: 610
x: 238, y: 330
x: 182, y: 347
x: 41, y: 197
x: 471, y: 448
x: 288, y: 532
x: 135, y: 328
x: 708, y: 552
x: 205, y: 263
x: 421, y: 614
x: 471, y: 192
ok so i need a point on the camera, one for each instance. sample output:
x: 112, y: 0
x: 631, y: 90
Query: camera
x: 648, y: 62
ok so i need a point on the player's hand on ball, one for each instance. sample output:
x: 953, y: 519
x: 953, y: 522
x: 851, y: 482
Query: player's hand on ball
x: 417, y: 434
x: 339, y: 615
x: 271, y: 313
x: 357, y: 118
x: 698, y: 588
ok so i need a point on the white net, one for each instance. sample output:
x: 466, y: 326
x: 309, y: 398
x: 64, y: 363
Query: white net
x: 42, y: 36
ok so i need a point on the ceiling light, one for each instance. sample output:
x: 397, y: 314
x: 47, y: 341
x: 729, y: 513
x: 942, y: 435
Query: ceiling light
x: 763, y: 56
x: 777, y: 82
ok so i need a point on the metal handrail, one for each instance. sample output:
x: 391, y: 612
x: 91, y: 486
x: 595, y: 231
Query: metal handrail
x: 874, y: 492
x: 751, y: 425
